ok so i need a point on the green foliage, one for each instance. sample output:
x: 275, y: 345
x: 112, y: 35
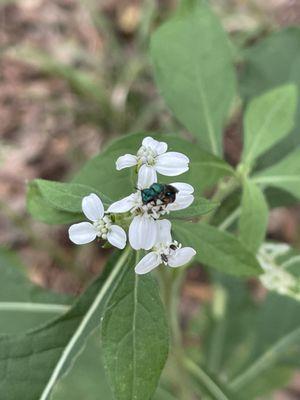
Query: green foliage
x: 86, y: 380
x: 269, y: 118
x: 205, y: 169
x: 265, y: 68
x: 194, y: 72
x: 284, y: 175
x: 57, y: 202
x: 217, y: 249
x: 22, y: 304
x: 200, y: 206
x: 254, y: 216
x: 51, y: 348
x: 252, y: 349
x: 134, y: 337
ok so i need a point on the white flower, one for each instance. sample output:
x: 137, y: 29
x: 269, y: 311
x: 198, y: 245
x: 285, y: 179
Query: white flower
x: 165, y: 251
x: 143, y: 228
x: 152, y: 157
x: 275, y: 276
x: 100, y: 226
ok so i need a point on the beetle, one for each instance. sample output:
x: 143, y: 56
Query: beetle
x: 159, y: 194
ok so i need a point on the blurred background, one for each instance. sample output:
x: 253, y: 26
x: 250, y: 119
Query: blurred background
x: 73, y: 75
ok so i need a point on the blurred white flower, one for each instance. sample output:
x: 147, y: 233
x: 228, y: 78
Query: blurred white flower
x: 165, y: 251
x: 152, y: 157
x: 100, y: 226
x: 143, y: 229
x: 275, y: 276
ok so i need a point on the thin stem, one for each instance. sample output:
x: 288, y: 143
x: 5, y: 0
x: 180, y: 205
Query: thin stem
x: 229, y: 220
x: 217, y: 339
x: 205, y: 380
x: 33, y: 307
x: 265, y: 361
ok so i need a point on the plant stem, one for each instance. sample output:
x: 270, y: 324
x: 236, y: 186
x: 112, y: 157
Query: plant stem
x: 205, y: 380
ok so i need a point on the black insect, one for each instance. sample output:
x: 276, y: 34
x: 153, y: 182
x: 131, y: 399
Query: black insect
x: 164, y: 258
x: 159, y: 194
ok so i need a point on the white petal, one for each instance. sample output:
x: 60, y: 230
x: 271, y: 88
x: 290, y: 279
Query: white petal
x: 148, y: 263
x: 181, y: 256
x: 183, y: 187
x: 147, y: 176
x: 142, y: 232
x: 163, y: 231
x: 155, y: 145
x: 181, y: 202
x: 92, y: 207
x: 117, y: 236
x: 122, y: 205
x: 82, y: 233
x: 128, y: 160
x: 172, y: 163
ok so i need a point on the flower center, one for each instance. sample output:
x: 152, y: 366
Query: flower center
x: 103, y: 226
x: 146, y: 155
x: 150, y: 209
x: 165, y: 250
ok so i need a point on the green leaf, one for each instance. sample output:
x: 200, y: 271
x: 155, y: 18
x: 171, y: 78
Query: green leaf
x: 86, y: 380
x: 284, y: 175
x: 194, y: 72
x: 217, y: 249
x: 57, y: 202
x: 254, y: 216
x: 269, y: 118
x: 238, y: 331
x: 50, y: 349
x: 200, y: 206
x: 265, y: 68
x: 134, y: 337
x: 205, y: 169
x: 277, y: 341
x: 24, y: 305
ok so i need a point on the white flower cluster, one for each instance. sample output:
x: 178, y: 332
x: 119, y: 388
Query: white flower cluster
x: 276, y: 276
x: 146, y: 230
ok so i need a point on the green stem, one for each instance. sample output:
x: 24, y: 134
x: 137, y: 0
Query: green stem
x: 265, y: 361
x: 217, y: 339
x: 211, y: 387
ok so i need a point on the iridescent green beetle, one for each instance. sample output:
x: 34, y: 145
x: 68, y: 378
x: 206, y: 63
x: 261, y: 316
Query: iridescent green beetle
x: 159, y: 194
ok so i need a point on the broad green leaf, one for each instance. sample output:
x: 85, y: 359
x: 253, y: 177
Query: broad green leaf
x: 42, y: 210
x: 200, y: 206
x: 86, y: 380
x: 63, y: 200
x: 194, y: 72
x: 265, y: 68
x: 50, y: 349
x: 24, y: 305
x: 134, y: 337
x: 284, y: 175
x: 269, y: 118
x: 217, y: 249
x: 205, y: 169
x: 254, y: 216
x: 235, y: 325
x: 277, y: 342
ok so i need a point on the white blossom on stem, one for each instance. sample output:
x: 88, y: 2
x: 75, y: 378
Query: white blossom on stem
x: 100, y: 226
x: 143, y: 230
x: 153, y: 157
x: 165, y: 251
